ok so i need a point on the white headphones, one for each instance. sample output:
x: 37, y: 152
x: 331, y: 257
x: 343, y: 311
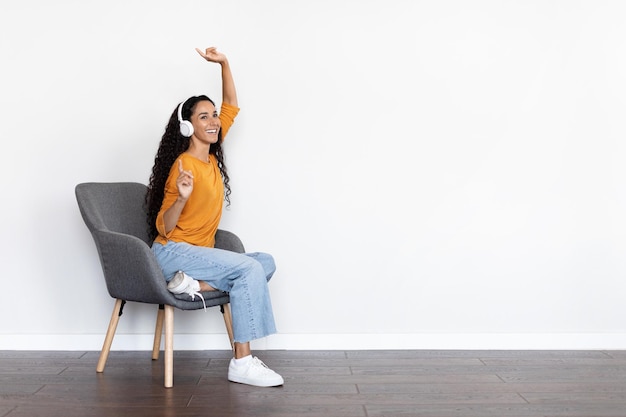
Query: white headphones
x: 186, y: 128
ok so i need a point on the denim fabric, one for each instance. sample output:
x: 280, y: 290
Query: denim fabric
x: 243, y: 275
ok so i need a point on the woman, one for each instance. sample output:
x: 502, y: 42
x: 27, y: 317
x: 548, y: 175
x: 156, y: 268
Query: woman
x: 188, y: 185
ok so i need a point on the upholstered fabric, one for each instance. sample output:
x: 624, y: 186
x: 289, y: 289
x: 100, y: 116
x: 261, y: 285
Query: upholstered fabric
x: 116, y: 217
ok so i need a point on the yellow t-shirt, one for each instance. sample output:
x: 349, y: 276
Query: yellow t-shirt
x: 201, y: 215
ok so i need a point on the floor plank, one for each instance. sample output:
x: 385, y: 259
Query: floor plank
x: 388, y: 383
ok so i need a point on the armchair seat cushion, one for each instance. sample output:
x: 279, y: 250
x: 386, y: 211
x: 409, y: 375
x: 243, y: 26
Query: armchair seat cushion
x: 208, y: 295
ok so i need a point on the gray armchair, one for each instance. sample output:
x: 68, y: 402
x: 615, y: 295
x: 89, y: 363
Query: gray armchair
x: 116, y: 217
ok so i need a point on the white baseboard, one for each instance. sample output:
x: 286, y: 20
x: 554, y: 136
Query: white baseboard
x: 470, y: 341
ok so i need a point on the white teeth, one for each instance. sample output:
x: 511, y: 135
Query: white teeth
x: 212, y: 131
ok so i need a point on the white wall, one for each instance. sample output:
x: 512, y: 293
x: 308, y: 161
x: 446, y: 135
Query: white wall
x: 427, y: 174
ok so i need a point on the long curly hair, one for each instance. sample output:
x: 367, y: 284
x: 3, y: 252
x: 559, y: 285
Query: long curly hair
x: 173, y: 143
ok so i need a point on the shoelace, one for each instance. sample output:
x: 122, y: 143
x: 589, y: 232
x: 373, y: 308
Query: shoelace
x: 257, y: 361
x: 193, y: 294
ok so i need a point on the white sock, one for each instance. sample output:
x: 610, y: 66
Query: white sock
x: 242, y: 361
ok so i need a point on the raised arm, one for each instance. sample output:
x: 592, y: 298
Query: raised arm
x: 229, y: 93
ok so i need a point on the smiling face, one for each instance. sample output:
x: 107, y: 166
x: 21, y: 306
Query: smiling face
x: 206, y: 122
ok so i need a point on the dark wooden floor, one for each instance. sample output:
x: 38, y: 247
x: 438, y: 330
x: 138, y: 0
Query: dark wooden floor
x: 319, y: 383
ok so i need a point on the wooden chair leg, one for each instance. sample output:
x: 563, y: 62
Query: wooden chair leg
x: 108, y: 340
x: 228, y: 321
x: 158, y: 331
x: 169, y: 346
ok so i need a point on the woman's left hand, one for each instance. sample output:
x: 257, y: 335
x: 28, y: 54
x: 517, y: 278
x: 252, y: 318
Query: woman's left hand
x: 212, y: 55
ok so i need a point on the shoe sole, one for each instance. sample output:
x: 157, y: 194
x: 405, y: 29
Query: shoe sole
x: 264, y: 384
x: 175, y: 283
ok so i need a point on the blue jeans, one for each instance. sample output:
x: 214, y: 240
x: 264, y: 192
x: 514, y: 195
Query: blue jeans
x: 243, y: 276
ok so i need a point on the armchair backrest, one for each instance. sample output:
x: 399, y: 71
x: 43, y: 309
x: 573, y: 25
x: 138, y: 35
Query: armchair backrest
x: 116, y: 207
x: 116, y: 217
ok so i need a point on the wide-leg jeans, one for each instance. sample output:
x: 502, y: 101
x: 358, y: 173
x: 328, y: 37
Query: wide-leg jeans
x: 243, y: 275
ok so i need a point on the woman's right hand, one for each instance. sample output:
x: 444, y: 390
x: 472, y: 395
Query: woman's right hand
x: 184, y: 182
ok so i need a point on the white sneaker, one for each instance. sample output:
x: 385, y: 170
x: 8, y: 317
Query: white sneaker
x: 254, y: 372
x: 184, y: 284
